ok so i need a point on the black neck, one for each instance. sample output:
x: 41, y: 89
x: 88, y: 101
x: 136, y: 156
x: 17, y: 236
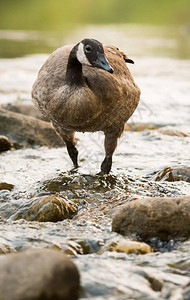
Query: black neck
x: 74, y: 74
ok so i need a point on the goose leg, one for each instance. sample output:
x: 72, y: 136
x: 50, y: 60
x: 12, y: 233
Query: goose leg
x: 110, y: 145
x: 73, y: 153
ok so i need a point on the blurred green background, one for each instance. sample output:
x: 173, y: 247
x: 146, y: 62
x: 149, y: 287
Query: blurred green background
x: 58, y: 14
x: 36, y: 26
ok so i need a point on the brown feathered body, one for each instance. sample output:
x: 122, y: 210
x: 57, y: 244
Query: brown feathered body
x: 107, y: 100
x: 103, y: 102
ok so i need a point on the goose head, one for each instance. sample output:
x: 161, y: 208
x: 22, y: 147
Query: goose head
x: 91, y: 52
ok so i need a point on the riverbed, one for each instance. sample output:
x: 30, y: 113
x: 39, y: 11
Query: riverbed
x: 164, y: 81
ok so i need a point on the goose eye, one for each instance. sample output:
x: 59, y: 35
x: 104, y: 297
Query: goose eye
x: 88, y: 48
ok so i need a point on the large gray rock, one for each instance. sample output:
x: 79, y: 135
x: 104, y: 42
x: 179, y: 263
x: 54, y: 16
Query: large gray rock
x: 27, y: 130
x: 165, y: 218
x: 38, y: 274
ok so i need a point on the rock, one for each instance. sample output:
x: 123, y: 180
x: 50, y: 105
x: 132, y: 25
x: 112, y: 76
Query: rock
x: 165, y: 218
x: 137, y: 126
x: 27, y: 130
x: 24, y: 108
x: 172, y: 131
x: 133, y: 247
x: 173, y: 174
x: 5, y: 144
x: 46, y: 209
x: 6, y: 186
x: 125, y: 246
x: 38, y: 274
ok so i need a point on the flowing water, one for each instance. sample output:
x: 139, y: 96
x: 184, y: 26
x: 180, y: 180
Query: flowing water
x: 162, y: 71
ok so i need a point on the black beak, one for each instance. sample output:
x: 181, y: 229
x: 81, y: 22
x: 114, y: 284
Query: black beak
x: 102, y: 63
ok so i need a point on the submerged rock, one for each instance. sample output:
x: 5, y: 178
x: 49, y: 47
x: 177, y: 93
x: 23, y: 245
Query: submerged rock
x: 46, y: 209
x: 5, y: 143
x: 27, y: 130
x: 173, y: 174
x: 38, y: 274
x: 165, y: 218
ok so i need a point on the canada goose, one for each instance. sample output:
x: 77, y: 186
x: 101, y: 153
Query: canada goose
x: 78, y: 90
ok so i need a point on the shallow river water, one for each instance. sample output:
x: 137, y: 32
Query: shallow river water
x: 165, y: 87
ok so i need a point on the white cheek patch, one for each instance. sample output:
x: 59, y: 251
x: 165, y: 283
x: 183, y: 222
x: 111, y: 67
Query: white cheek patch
x: 81, y: 55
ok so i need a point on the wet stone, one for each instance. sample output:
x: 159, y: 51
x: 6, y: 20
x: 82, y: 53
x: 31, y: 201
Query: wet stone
x: 165, y: 218
x: 38, y: 274
x: 80, y: 182
x: 173, y: 174
x: 162, y: 246
x: 6, y: 186
x: 125, y: 246
x: 46, y: 209
x: 5, y: 143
